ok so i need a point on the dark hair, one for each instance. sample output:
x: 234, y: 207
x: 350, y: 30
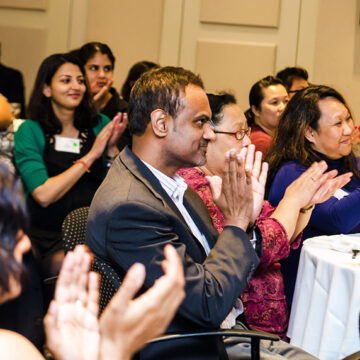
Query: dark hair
x: 13, y: 217
x: 288, y: 75
x: 290, y: 143
x: 256, y: 95
x: 88, y: 50
x: 158, y: 89
x: 134, y: 73
x: 40, y: 108
x: 217, y: 103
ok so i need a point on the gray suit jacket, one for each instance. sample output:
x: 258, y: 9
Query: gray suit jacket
x: 132, y: 218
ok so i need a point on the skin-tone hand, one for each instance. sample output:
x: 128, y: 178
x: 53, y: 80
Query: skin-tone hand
x: 119, y: 125
x: 72, y: 328
x: 57, y: 186
x: 233, y: 192
x: 258, y: 172
x: 329, y: 187
x: 101, y: 141
x: 313, y: 186
x: 71, y: 324
x: 100, y: 97
x: 127, y: 323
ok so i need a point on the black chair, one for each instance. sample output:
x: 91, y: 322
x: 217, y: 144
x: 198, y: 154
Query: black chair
x: 109, y: 282
x: 73, y: 233
x: 74, y: 230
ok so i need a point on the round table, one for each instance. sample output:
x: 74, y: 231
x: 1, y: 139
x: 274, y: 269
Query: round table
x: 324, y: 319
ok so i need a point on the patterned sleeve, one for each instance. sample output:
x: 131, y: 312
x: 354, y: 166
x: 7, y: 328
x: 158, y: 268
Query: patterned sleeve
x: 275, y: 239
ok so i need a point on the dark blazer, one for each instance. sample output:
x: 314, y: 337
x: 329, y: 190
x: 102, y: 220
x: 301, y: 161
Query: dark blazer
x: 132, y: 218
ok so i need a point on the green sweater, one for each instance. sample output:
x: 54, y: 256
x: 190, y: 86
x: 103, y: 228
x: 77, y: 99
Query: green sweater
x: 29, y: 145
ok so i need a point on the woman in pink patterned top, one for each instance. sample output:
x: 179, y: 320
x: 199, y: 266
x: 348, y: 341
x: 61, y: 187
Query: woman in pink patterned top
x: 264, y: 299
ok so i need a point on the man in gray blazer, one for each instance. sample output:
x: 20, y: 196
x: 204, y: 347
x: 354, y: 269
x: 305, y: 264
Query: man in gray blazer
x: 142, y: 205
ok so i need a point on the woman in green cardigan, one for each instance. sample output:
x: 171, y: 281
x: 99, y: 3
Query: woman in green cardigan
x: 61, y: 153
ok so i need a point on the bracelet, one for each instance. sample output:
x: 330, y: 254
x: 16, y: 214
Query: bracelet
x: 305, y: 210
x: 83, y: 164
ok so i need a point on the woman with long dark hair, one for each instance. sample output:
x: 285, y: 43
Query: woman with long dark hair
x: 316, y: 125
x: 61, y: 152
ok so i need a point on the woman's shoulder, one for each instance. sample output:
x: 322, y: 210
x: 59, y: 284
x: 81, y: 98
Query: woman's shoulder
x: 100, y: 122
x: 287, y: 173
x: 15, y: 346
x: 102, y: 118
x: 30, y: 125
x: 258, y: 133
x: 262, y: 141
x: 30, y: 130
x: 291, y: 167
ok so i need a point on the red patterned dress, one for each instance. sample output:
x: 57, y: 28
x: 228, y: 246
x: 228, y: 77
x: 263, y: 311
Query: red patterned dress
x: 264, y: 299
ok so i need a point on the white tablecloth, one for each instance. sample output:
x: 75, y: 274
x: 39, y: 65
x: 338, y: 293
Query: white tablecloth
x: 325, y: 312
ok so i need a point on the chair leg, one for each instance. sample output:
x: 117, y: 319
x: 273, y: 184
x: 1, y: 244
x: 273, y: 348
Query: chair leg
x: 255, y: 349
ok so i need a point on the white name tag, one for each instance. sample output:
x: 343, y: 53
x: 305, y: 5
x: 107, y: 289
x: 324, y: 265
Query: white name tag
x: 66, y: 144
x: 339, y: 194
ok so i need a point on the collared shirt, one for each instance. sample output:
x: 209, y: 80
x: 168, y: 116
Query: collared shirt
x: 175, y: 187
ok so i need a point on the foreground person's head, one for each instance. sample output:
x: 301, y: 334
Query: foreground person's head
x: 13, y: 240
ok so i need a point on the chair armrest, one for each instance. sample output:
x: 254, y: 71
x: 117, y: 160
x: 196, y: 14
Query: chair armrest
x: 254, y: 335
x: 50, y: 280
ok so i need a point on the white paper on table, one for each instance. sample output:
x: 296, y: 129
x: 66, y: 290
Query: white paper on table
x: 346, y: 243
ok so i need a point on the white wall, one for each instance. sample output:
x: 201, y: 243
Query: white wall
x: 337, y: 51
x: 321, y: 35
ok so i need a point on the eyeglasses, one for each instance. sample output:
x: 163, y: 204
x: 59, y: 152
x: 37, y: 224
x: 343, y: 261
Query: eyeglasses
x: 239, y: 135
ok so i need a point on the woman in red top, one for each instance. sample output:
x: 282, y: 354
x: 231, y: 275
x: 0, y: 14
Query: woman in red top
x: 268, y: 98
